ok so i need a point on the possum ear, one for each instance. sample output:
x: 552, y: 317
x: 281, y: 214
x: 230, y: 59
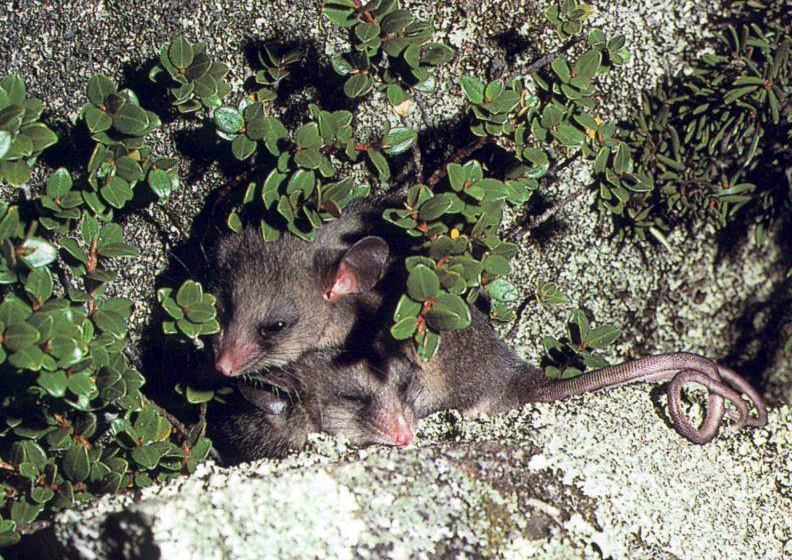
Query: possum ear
x: 360, y: 268
x: 270, y: 399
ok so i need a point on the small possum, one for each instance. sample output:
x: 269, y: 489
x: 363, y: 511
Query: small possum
x: 323, y: 391
x: 280, y: 300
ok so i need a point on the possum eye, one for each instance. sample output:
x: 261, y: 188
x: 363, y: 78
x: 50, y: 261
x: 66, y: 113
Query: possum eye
x: 268, y: 329
x: 357, y: 398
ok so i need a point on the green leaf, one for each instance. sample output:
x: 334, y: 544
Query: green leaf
x: 502, y: 290
x: 209, y: 327
x: 551, y: 116
x: 14, y: 88
x: 602, y: 336
x: 117, y: 192
x: 30, y: 358
x: 396, y: 21
x: 40, y: 135
x: 736, y: 93
x: 229, y: 119
x: 147, y: 456
x: 99, y: 87
x: 406, y: 308
x: 340, y: 12
x: 428, y: 344
x: 117, y: 250
x: 14, y: 310
x: 436, y: 54
x: 131, y: 120
x: 41, y: 495
x: 399, y: 140
x: 5, y: 142
x: 569, y: 135
x: 423, y: 283
x: 380, y: 163
x: 76, y: 465
x: 162, y: 182
x: 39, y: 284
x: 15, y: 172
x: 449, y: 312
x: 23, y: 512
x: 341, y: 65
x: 110, y: 384
x: 396, y: 95
x: 587, y: 65
x: 473, y: 89
x: 20, y: 335
x: 53, y: 382
x: 190, y: 293
x: 110, y: 322
x: 405, y: 328
x: 358, y: 85
x: 59, y: 183
x: 307, y: 136
x: 201, y: 312
x: 81, y: 384
x: 560, y: 66
x: 96, y: 120
x: 309, y: 159
x: 496, y: 264
x: 242, y: 147
x: 181, y: 53
x: 37, y: 252
x: 197, y: 396
x: 128, y: 169
x: 435, y: 207
x: 302, y: 181
x: 578, y: 326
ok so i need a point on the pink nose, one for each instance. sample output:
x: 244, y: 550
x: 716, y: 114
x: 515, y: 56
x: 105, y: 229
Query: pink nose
x: 403, y: 439
x: 403, y: 432
x: 225, y: 365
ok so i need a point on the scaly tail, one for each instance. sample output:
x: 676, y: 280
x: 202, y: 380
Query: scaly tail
x: 679, y: 367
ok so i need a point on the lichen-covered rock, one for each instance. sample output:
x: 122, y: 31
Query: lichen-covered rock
x: 576, y: 480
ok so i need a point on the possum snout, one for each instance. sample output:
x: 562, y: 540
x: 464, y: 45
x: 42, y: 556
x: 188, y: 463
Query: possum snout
x: 394, y: 422
x: 402, y: 432
x: 233, y: 359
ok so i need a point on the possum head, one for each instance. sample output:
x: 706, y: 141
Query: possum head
x: 324, y: 392
x: 278, y: 300
x: 366, y: 403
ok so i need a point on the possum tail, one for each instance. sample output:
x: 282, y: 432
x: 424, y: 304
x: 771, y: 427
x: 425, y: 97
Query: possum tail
x: 678, y: 368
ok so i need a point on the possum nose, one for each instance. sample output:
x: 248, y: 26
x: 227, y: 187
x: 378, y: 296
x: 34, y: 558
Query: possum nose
x: 226, y: 365
x: 402, y: 433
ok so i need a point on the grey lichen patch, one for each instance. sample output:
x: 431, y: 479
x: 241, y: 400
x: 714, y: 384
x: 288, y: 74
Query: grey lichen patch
x: 644, y: 491
x: 310, y: 499
x: 654, y: 490
x: 399, y: 504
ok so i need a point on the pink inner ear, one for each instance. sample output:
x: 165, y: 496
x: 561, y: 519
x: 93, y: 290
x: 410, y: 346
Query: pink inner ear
x: 345, y: 283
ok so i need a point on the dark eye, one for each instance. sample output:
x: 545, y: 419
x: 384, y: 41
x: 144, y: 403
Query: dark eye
x: 354, y: 397
x: 269, y: 329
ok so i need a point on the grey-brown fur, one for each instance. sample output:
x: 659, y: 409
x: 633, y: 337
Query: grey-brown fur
x: 259, y: 284
x: 323, y: 391
x: 473, y: 371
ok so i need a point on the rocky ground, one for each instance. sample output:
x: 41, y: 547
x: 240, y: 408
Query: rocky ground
x: 597, y: 477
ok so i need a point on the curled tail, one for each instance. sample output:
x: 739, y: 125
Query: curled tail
x: 680, y: 368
